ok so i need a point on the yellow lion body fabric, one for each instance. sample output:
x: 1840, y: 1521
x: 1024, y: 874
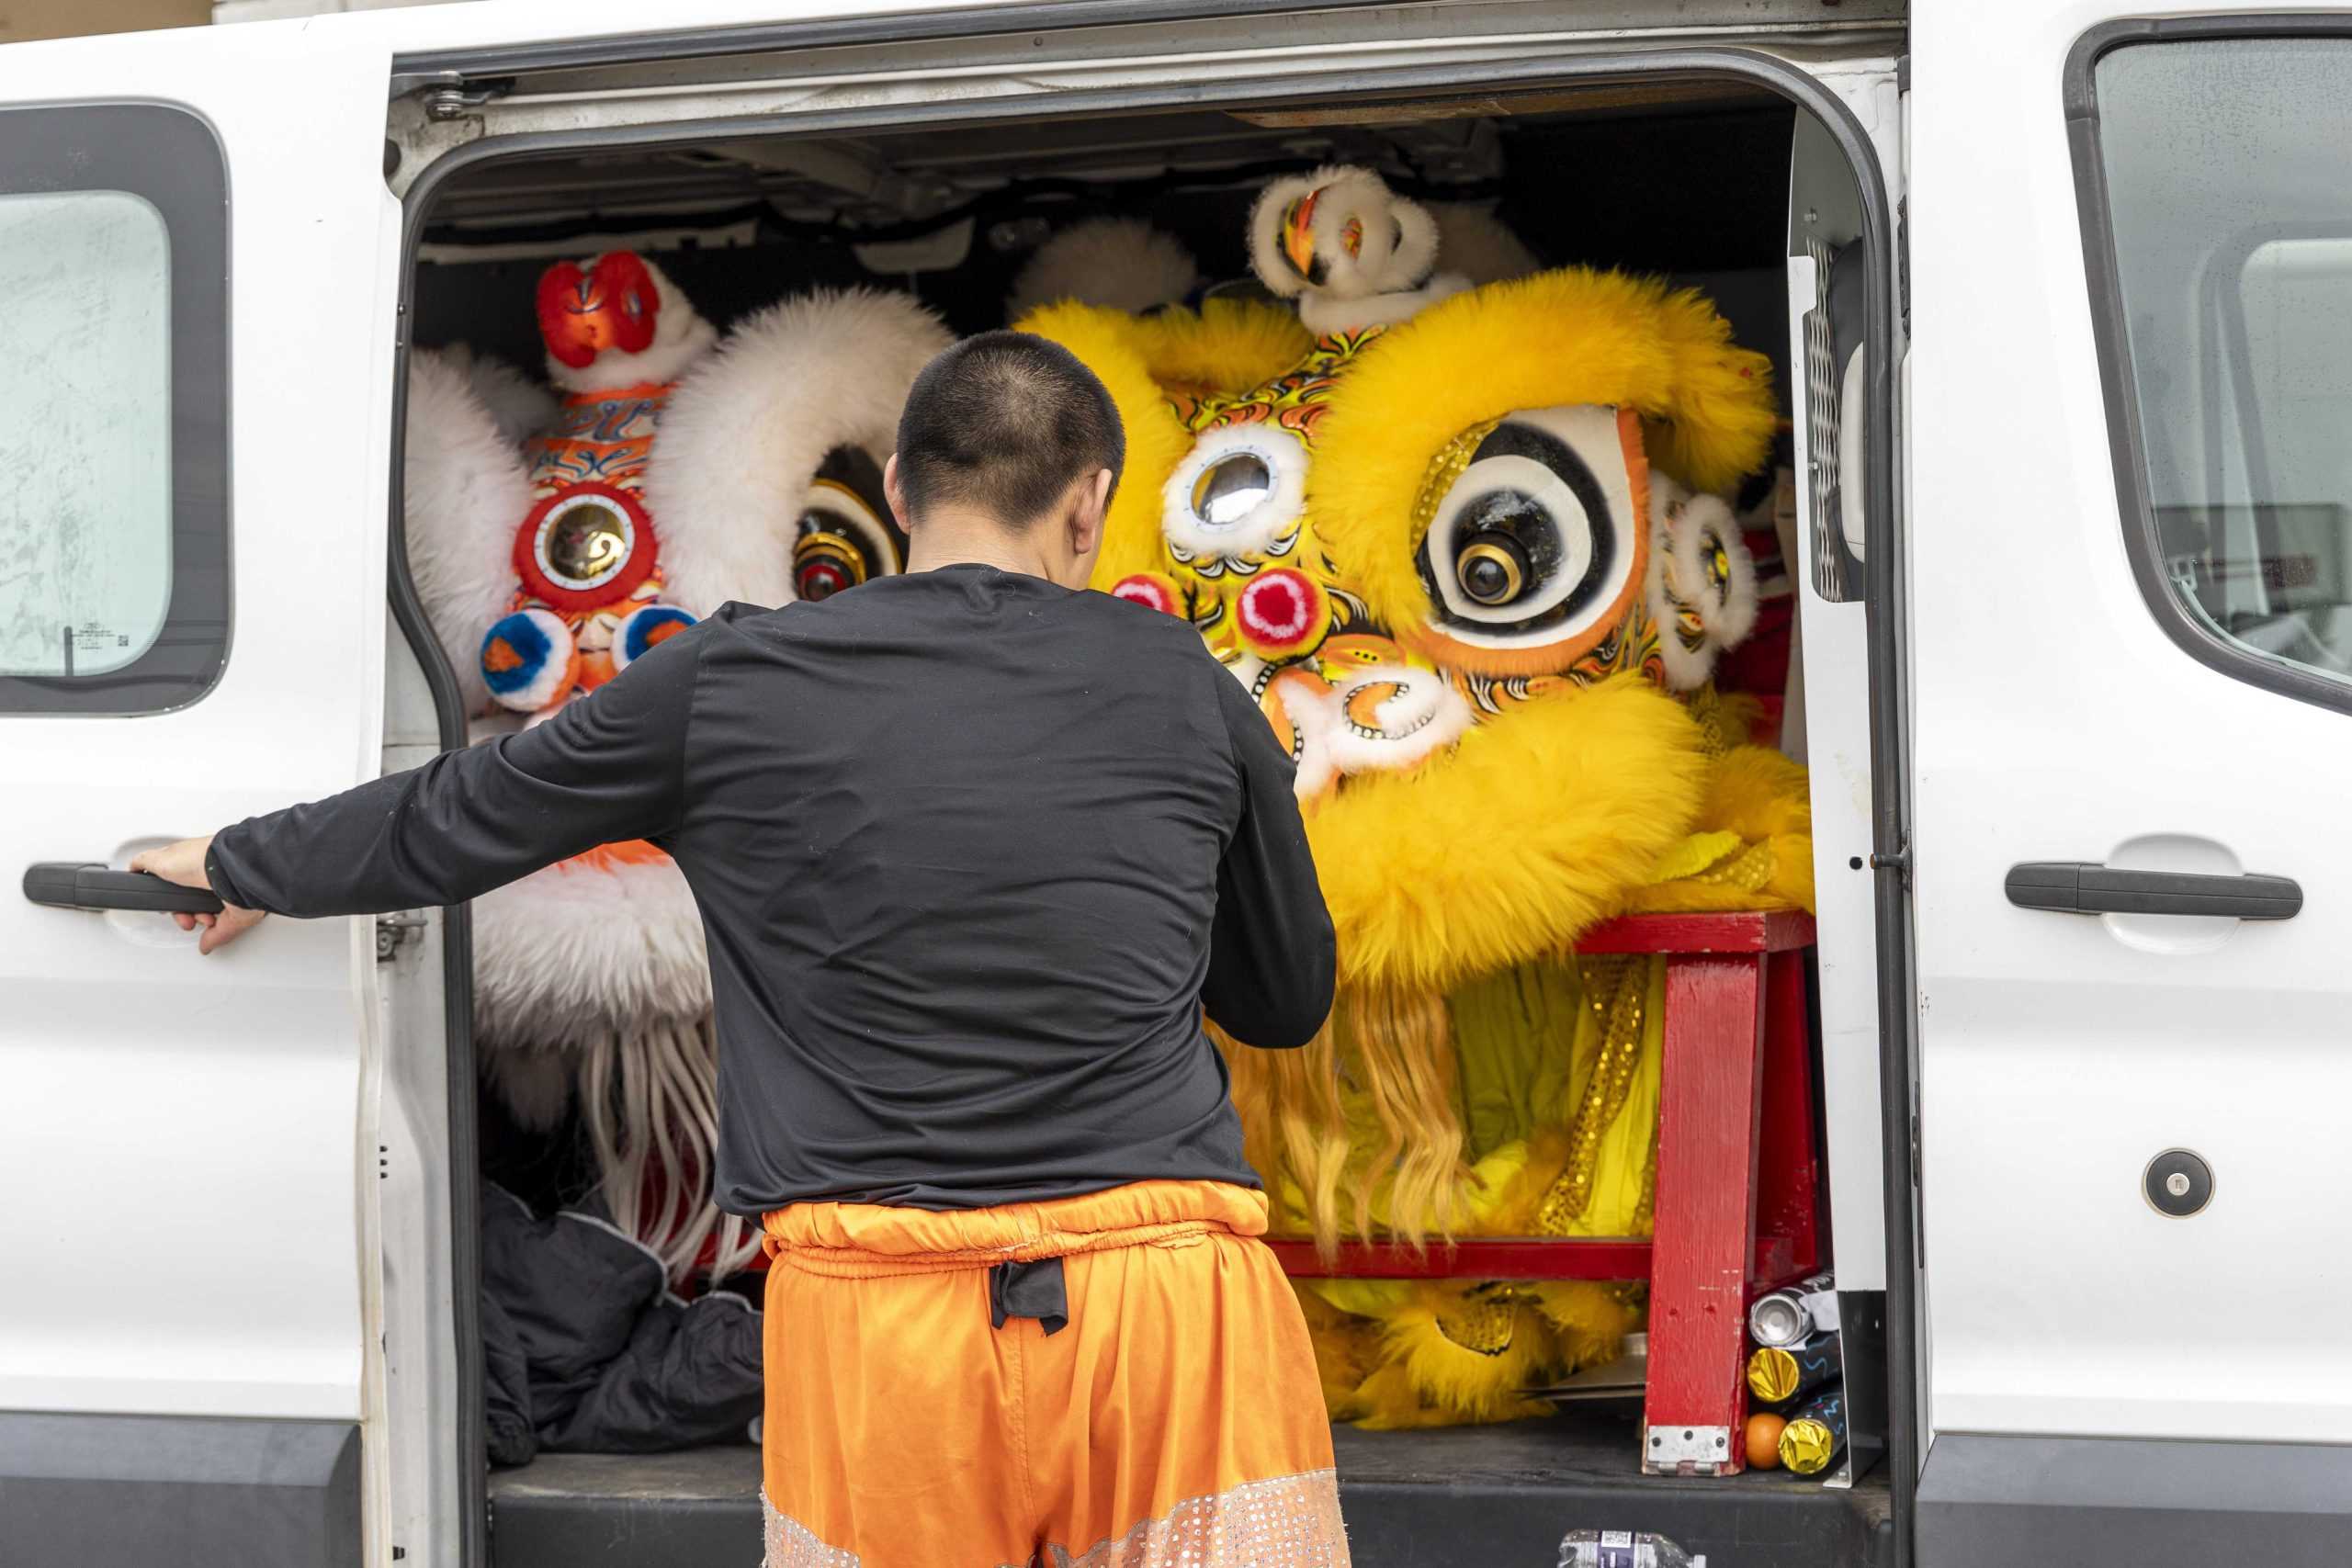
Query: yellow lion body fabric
x: 1457, y: 542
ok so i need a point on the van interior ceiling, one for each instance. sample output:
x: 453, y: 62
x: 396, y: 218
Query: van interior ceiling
x: 1689, y: 180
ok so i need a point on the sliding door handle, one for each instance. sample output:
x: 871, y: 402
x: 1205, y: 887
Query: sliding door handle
x: 66, y: 884
x: 2077, y: 887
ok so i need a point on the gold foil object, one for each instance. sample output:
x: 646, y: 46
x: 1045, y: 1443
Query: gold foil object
x: 1480, y: 1321
x: 1807, y: 1447
x: 588, y: 541
x: 1772, y: 1375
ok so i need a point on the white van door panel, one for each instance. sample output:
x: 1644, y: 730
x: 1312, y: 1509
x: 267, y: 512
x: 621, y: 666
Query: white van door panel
x: 186, y: 1152
x: 2068, y: 711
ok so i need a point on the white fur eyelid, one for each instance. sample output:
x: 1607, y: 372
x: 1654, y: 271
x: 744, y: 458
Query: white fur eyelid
x: 1284, y: 458
x: 1397, y: 247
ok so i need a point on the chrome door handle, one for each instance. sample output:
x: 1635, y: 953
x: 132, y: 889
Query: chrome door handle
x: 2082, y: 888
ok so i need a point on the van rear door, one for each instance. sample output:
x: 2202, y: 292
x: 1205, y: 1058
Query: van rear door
x: 2131, y: 436
x: 195, y: 252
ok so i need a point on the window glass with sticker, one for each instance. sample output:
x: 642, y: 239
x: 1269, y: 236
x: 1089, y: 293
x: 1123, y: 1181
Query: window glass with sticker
x: 2229, y: 211
x: 114, y: 580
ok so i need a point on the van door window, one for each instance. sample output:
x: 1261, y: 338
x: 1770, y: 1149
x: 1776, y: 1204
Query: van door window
x: 113, y: 410
x: 2229, y: 214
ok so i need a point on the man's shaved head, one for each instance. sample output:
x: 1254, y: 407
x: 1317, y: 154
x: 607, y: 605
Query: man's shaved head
x: 1004, y: 424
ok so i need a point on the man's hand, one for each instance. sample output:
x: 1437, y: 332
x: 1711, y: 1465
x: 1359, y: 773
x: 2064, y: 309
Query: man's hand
x: 184, y: 864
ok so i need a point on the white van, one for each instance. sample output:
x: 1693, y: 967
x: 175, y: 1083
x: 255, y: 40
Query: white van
x: 2076, y: 610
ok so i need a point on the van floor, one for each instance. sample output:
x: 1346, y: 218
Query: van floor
x: 1470, y: 1497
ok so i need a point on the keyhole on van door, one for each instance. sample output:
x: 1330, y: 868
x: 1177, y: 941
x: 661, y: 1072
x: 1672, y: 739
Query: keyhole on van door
x: 2178, y: 1183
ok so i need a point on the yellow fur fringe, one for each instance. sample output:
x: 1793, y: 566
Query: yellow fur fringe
x: 1230, y: 346
x: 1557, y: 338
x: 1509, y: 847
x: 1754, y: 849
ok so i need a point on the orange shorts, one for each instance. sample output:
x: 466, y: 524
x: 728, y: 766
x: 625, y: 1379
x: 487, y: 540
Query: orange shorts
x: 1173, y: 1417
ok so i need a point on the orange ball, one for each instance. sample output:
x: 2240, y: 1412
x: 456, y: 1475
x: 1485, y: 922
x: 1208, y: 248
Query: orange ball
x: 1764, y: 1440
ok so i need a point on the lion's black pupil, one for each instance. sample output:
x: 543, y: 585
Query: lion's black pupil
x: 1486, y: 579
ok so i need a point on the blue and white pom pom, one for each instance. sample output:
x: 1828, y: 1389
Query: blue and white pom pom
x: 529, y: 660
x: 644, y: 627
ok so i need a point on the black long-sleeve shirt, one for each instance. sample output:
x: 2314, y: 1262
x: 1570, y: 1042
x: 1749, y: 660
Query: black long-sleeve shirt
x: 972, y: 853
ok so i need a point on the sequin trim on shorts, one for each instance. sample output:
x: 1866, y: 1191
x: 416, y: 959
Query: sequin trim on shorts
x: 1292, y: 1521
x: 791, y: 1546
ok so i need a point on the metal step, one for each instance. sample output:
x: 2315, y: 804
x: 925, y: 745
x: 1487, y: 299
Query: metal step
x: 1466, y: 1497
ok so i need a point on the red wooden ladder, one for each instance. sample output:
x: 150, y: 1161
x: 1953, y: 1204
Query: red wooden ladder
x: 1737, y: 1210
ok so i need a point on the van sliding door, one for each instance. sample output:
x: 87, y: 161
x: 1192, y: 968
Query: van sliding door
x: 193, y: 231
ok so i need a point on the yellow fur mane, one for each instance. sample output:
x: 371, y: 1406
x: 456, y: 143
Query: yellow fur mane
x: 1455, y: 869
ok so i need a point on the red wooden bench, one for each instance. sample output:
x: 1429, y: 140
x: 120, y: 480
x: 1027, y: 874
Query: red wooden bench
x: 1737, y: 1208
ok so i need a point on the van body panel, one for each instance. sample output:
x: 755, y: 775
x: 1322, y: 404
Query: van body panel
x: 1990, y: 1501
x: 188, y: 1491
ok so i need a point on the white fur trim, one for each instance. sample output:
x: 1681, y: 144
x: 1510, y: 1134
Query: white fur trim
x: 1472, y: 241
x: 1323, y: 313
x: 1306, y: 701
x: 575, y: 952
x: 1399, y: 247
x: 464, y: 492
x: 1255, y: 534
x: 680, y: 337
x: 1120, y: 264
x: 1683, y: 529
x: 1729, y: 614
x: 521, y: 406
x: 1426, y: 716
x: 743, y: 435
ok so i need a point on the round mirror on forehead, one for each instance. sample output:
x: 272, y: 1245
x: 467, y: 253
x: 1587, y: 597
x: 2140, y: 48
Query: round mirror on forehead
x: 1231, y: 488
x: 1239, y: 492
x: 588, y: 543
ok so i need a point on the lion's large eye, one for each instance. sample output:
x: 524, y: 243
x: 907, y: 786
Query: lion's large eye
x: 839, y: 542
x: 1239, y: 492
x: 1534, y: 546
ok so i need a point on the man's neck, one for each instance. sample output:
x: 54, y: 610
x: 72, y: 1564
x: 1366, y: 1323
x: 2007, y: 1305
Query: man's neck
x: 952, y: 537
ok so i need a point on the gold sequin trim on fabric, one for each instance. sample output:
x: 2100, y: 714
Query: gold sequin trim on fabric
x: 1292, y: 1521
x: 791, y: 1546
x: 1618, y: 986
x: 1444, y: 468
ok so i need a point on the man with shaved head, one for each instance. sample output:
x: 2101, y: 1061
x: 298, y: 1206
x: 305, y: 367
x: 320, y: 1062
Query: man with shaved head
x: 975, y: 850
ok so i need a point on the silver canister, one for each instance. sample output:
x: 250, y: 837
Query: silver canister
x: 1780, y: 1320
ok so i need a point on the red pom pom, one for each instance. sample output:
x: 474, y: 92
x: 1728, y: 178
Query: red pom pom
x: 1152, y: 590
x: 1283, y: 614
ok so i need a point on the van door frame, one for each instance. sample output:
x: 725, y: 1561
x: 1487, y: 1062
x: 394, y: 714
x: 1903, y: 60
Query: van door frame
x: 1884, y: 561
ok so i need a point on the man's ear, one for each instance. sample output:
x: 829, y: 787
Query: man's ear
x: 893, y: 493
x: 1086, y: 517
